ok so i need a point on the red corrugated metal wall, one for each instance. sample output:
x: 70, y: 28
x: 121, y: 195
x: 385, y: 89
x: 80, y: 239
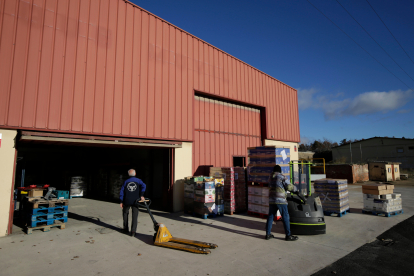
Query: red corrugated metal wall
x: 222, y: 130
x: 108, y: 67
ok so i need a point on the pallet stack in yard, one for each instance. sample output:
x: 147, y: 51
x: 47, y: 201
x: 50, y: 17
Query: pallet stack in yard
x: 45, y: 214
x: 334, y: 195
x: 380, y: 199
x: 203, y: 196
x: 261, y: 161
x: 234, y: 187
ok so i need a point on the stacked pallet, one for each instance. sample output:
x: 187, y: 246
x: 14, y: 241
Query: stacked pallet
x: 203, y: 196
x: 333, y: 194
x: 44, y: 214
x: 234, y: 187
x: 381, y: 199
x: 261, y: 161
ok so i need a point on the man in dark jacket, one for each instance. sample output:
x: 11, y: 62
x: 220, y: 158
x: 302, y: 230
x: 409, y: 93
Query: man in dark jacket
x: 132, y: 189
x: 278, y: 185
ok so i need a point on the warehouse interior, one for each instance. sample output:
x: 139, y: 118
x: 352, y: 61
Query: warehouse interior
x: 103, y: 168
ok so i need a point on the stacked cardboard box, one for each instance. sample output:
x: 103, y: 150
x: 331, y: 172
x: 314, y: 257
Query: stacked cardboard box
x: 219, y: 203
x: 258, y: 200
x: 189, y: 183
x: 333, y: 194
x: 261, y: 161
x: 234, y: 187
x: 381, y: 198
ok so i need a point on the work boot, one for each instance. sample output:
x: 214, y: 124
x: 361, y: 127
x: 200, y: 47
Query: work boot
x: 270, y: 236
x: 133, y: 234
x: 125, y: 231
x: 291, y: 238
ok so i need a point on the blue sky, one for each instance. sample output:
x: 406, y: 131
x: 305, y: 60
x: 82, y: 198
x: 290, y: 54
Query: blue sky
x: 343, y: 91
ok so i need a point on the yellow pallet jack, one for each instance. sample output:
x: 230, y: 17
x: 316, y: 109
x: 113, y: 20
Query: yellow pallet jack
x: 163, y: 237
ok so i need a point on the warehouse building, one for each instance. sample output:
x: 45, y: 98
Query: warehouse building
x: 93, y: 88
x: 376, y: 149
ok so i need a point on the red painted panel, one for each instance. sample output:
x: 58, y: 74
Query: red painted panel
x: 19, y: 62
x: 158, y: 79
x: 119, y: 69
x: 143, y: 96
x: 165, y: 85
x: 59, y: 61
x: 33, y: 62
x: 171, y: 84
x: 189, y: 90
x: 91, y: 60
x: 78, y: 95
x: 99, y: 95
x: 195, y: 64
x: 178, y: 83
x: 221, y: 72
x: 128, y: 59
x: 151, y: 77
x: 70, y: 67
x: 184, y: 87
x: 136, y: 77
x: 201, y: 85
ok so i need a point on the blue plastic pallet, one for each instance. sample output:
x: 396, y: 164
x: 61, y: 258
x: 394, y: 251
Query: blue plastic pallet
x: 340, y: 214
x: 390, y: 214
x: 46, y: 221
x: 58, y: 214
x: 74, y: 196
x: 46, y: 210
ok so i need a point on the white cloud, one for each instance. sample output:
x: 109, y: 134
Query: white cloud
x: 365, y: 103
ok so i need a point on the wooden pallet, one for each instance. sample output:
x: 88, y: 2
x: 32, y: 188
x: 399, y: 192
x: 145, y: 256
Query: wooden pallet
x: 36, y: 202
x: 45, y: 228
x: 390, y: 214
x: 340, y: 214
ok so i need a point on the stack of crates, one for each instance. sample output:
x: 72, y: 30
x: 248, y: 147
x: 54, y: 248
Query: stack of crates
x: 204, y: 196
x: 261, y: 161
x: 380, y: 199
x: 333, y: 194
x: 234, y: 187
x: 189, y: 186
x: 219, y: 204
x: 44, y: 214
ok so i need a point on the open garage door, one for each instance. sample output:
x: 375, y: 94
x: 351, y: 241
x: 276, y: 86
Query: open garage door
x: 103, y: 162
x: 223, y: 132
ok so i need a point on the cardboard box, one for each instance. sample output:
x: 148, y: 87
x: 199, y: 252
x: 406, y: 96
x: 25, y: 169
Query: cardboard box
x: 35, y: 193
x: 188, y: 187
x: 205, y: 192
x: 205, y: 199
x: 219, y: 181
x: 377, y: 186
x: 204, y: 185
x: 377, y: 192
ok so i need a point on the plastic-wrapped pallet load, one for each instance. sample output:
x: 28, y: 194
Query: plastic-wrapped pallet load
x: 204, y: 197
x: 218, y: 208
x: 333, y: 194
x: 380, y: 198
x: 78, y: 186
x: 189, y: 194
x: 258, y: 200
x: 261, y: 161
x: 234, y: 187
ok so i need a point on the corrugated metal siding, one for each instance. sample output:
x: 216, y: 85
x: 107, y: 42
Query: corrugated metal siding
x: 222, y: 130
x: 109, y: 67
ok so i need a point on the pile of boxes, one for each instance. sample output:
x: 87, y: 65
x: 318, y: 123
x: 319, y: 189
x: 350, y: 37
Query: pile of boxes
x: 203, y: 195
x: 381, y: 198
x: 234, y: 187
x: 258, y: 199
x: 333, y: 194
x: 261, y: 161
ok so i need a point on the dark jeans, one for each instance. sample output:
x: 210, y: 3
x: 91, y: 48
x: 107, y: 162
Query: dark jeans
x: 283, y: 209
x: 125, y: 213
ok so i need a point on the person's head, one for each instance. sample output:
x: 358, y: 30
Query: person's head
x: 132, y: 172
x: 277, y: 168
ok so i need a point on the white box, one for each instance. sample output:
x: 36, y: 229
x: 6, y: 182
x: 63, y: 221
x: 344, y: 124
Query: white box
x: 265, y: 191
x: 265, y: 210
x: 250, y: 198
x: 257, y: 199
x: 396, y: 195
x: 257, y: 190
x: 265, y: 200
x: 250, y: 207
x: 250, y: 190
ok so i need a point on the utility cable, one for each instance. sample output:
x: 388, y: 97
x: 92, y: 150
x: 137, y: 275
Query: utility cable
x: 390, y: 31
x: 374, y: 40
x: 360, y: 46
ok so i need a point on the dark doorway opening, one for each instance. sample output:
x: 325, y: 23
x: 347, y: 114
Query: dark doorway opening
x: 239, y: 161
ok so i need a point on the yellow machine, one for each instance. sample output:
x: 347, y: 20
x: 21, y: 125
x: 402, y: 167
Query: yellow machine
x: 163, y: 237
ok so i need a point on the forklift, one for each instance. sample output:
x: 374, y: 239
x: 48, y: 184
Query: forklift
x: 163, y: 237
x: 305, y: 208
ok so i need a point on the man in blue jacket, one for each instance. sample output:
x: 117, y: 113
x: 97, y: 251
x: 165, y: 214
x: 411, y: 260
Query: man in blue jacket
x: 132, y: 189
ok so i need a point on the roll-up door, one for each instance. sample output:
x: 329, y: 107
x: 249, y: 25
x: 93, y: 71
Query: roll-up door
x: 222, y: 131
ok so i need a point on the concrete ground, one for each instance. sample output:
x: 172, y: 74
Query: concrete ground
x: 92, y: 243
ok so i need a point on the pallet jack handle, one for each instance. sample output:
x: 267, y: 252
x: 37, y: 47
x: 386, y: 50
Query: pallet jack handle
x: 143, y: 204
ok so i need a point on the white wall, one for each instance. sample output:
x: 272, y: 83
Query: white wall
x: 183, y: 165
x: 293, y: 155
x: 7, y: 154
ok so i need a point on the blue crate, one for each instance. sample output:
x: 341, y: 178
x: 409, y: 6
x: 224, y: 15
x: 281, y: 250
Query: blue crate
x: 61, y: 194
x: 46, y: 210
